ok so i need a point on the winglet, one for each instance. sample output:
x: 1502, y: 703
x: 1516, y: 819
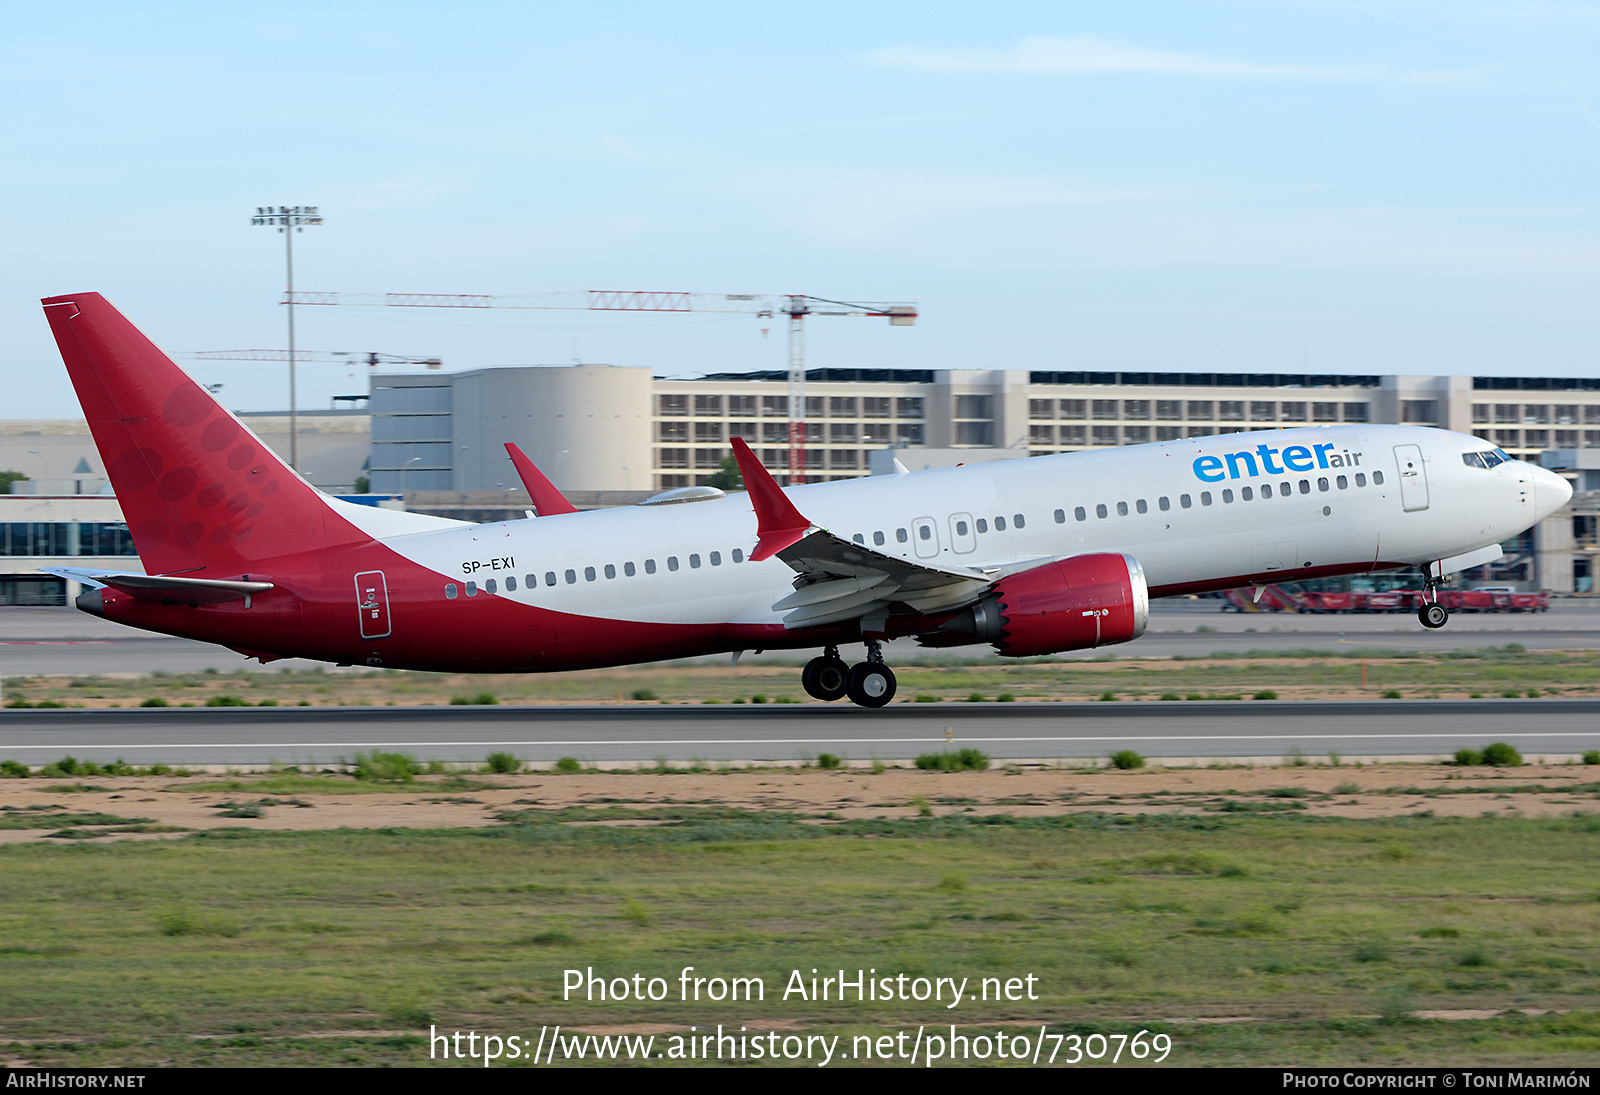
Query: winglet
x: 546, y: 499
x: 778, y: 523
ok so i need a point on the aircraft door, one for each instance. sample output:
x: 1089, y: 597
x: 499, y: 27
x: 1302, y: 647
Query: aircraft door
x: 1413, y: 478
x: 925, y: 537
x: 962, y: 538
x: 372, y: 604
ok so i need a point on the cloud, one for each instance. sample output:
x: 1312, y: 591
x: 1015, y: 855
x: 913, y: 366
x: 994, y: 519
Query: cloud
x: 1088, y: 55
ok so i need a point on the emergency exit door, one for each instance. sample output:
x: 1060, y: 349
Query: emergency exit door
x: 1413, y: 478
x: 372, y: 604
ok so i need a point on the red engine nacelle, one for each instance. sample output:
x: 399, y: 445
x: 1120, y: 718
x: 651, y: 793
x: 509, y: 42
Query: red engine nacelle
x: 1070, y: 604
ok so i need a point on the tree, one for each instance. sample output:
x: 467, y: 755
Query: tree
x: 362, y: 484
x: 728, y: 478
x: 9, y: 477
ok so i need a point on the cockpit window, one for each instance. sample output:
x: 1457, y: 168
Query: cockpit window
x: 1484, y: 459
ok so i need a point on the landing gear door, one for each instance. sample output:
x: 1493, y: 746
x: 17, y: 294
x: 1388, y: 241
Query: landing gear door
x: 1413, y: 478
x: 372, y: 604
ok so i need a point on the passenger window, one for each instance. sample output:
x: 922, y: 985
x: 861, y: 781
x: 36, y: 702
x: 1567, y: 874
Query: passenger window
x: 738, y: 553
x: 900, y: 535
x: 999, y: 524
x: 572, y: 577
x: 450, y: 591
x: 1164, y: 503
x: 1205, y: 498
x: 1122, y: 509
x: 1080, y: 514
x: 1247, y: 494
x: 877, y: 541
x: 1227, y: 496
x: 694, y: 562
x: 611, y: 571
x: 472, y: 589
x: 1141, y: 506
x: 716, y: 558
x: 649, y: 566
x: 1342, y: 483
x: 672, y: 562
x: 549, y: 577
x: 1183, y: 500
x: 588, y: 574
x: 983, y: 526
x: 1377, y: 478
x: 1061, y: 516
x: 1285, y: 488
x: 1361, y: 478
x: 1100, y: 510
x: 1022, y: 522
x: 628, y: 570
x: 511, y: 585
x: 925, y: 532
x: 1322, y: 483
x: 1305, y: 486
x: 531, y: 581
x: 858, y: 538
x: 1266, y: 490
x: 490, y: 586
x: 961, y: 528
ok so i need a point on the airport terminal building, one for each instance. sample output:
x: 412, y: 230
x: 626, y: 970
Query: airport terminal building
x: 611, y: 435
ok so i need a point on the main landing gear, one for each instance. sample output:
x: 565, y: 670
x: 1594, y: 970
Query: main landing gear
x: 868, y: 684
x: 1430, y: 612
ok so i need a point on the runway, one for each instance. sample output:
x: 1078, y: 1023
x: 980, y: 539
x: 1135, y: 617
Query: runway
x: 1188, y: 730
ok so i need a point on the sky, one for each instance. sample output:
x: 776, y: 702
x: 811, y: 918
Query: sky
x: 1255, y: 186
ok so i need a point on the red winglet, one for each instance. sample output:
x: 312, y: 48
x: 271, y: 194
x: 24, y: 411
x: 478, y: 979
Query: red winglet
x: 546, y: 499
x: 778, y: 523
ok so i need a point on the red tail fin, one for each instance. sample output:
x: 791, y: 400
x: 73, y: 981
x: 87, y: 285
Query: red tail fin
x: 198, y: 490
x: 778, y: 523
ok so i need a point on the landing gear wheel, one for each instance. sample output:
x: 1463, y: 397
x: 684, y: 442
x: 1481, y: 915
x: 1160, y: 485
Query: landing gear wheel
x: 871, y: 684
x: 825, y: 678
x: 1433, y: 615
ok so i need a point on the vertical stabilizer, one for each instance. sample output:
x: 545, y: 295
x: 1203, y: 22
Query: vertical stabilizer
x: 199, y: 491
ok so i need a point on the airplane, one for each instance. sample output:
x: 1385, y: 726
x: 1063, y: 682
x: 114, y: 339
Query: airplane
x: 1033, y: 557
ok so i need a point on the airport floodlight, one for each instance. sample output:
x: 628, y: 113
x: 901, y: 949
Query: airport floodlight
x: 289, y: 219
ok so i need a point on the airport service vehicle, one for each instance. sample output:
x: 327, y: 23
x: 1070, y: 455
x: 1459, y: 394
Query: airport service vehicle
x: 1030, y: 556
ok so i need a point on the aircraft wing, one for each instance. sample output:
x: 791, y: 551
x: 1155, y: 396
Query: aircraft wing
x: 839, y: 579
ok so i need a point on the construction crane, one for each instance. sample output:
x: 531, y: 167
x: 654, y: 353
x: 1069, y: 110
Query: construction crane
x: 794, y: 305
x: 316, y: 357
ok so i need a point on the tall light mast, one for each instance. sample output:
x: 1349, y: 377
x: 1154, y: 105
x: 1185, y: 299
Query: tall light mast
x: 289, y: 219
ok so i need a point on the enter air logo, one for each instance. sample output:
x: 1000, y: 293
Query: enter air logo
x: 1264, y: 460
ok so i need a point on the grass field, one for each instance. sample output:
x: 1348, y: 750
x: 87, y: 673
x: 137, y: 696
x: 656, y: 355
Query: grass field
x: 1489, y: 672
x: 1322, y: 937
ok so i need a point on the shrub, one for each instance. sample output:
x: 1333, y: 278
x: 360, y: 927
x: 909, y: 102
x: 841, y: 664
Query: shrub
x: 962, y: 760
x: 227, y: 701
x: 1107, y: 697
x: 636, y: 912
x: 1392, y: 694
x: 1501, y: 755
x: 1347, y: 789
x: 13, y: 769
x: 1005, y: 697
x: 975, y: 697
x: 920, y: 803
x: 927, y: 697
x: 502, y: 764
x: 828, y: 760
x: 267, y: 703
x: 759, y: 697
x: 18, y: 702
x: 69, y: 766
x: 568, y: 765
x: 1265, y: 694
x: 159, y: 769
x: 1591, y: 756
x: 645, y: 694
x: 386, y: 767
x: 1126, y: 759
x: 48, y: 703
x: 155, y: 701
x: 1466, y: 758
x: 1533, y: 693
x: 484, y: 699
x: 1171, y: 696
x: 1509, y: 693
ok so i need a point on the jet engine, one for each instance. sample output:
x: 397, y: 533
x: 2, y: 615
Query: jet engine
x: 1070, y: 604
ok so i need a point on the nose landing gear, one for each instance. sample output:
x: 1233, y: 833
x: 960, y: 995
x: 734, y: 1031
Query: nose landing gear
x: 1430, y: 613
x: 868, y: 684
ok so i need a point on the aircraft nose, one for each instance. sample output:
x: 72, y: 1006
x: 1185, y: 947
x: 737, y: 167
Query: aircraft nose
x: 1551, y: 492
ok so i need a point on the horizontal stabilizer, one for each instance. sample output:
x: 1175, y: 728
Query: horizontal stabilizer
x: 163, y: 588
